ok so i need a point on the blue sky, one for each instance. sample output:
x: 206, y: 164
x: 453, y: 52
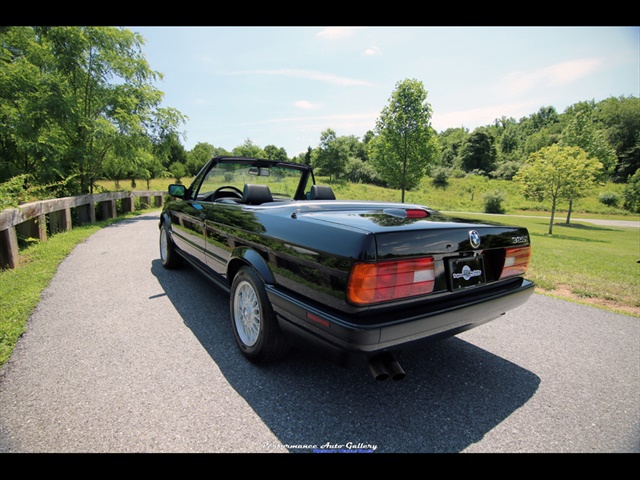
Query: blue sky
x: 284, y: 86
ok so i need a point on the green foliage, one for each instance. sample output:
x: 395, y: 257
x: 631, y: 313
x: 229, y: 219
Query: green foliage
x: 632, y: 193
x: 609, y: 199
x: 580, y: 131
x: 506, y: 170
x: 332, y: 155
x: 13, y: 192
x: 71, y: 97
x: 451, y: 142
x: 52, y: 131
x: 177, y: 171
x: 619, y: 119
x: 19, y: 190
x: 357, y: 171
x: 249, y: 149
x: 274, y: 153
x: 405, y: 144
x: 440, y: 177
x: 493, y: 202
x: 479, y: 153
x: 556, y: 173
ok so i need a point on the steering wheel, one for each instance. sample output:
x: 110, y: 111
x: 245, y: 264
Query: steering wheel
x: 236, y: 191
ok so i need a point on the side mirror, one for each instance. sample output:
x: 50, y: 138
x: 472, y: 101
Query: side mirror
x: 176, y: 190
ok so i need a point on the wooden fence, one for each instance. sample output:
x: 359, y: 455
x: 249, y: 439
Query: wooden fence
x: 30, y: 219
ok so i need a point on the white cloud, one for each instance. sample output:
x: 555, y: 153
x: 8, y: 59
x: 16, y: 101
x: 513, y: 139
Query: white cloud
x: 336, y: 32
x: 372, y: 51
x: 314, y: 75
x: 556, y: 75
x: 306, y: 105
x: 569, y: 72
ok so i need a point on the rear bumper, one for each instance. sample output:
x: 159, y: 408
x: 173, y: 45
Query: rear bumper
x: 346, y: 342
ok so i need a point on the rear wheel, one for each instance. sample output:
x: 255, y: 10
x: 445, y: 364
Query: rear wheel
x: 168, y: 255
x: 254, y: 323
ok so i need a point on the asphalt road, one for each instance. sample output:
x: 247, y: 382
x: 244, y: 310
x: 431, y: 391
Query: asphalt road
x: 123, y: 356
x: 560, y: 219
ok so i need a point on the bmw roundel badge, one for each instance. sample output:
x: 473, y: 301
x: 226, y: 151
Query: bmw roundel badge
x: 474, y: 238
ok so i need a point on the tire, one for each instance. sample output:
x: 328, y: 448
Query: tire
x: 168, y: 255
x: 254, y: 323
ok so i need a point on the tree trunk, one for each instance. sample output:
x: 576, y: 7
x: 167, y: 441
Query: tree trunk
x: 553, y: 212
x: 569, y: 212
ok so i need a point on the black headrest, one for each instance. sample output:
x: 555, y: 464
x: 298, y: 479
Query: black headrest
x: 321, y: 192
x: 256, y: 194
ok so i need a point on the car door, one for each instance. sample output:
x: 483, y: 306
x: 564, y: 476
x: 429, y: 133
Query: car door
x: 187, y: 224
x: 219, y: 225
x: 187, y: 227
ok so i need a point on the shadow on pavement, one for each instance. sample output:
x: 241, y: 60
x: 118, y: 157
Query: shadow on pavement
x: 453, y: 394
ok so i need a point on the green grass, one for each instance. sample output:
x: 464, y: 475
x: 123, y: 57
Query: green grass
x: 466, y: 195
x: 595, y: 264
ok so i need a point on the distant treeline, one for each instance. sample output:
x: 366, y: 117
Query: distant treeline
x: 77, y: 105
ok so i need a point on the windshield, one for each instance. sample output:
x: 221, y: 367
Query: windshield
x: 283, y: 181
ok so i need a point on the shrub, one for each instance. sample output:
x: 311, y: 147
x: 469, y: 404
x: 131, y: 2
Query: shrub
x: 493, y: 202
x: 609, y: 199
x: 457, y: 173
x: 13, y: 191
x: 358, y: 171
x: 506, y: 170
x: 440, y: 177
x: 177, y: 171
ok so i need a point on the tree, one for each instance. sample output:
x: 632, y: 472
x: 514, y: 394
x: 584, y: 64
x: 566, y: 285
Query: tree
x: 26, y: 86
x: 177, y: 171
x: 544, y: 118
x: 201, y: 153
x: 555, y: 173
x: 620, y: 119
x: 276, y: 153
x: 479, y: 152
x: 451, y: 142
x: 332, y: 154
x: 580, y: 132
x: 405, y: 143
x: 249, y: 149
x: 87, y: 91
x: 632, y: 193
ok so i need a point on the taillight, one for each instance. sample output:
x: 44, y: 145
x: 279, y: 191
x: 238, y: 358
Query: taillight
x: 516, y: 261
x: 416, y: 213
x: 406, y: 212
x: 390, y: 280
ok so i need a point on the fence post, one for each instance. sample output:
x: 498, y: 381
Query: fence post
x: 107, y: 209
x: 128, y: 204
x: 145, y: 201
x: 34, y: 228
x: 8, y: 248
x: 60, y: 220
x: 86, y: 213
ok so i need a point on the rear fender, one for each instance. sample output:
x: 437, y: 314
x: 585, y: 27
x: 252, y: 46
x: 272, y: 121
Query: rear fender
x: 246, y: 256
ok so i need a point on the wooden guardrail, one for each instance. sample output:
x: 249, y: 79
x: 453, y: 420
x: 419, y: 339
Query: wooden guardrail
x: 30, y: 219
